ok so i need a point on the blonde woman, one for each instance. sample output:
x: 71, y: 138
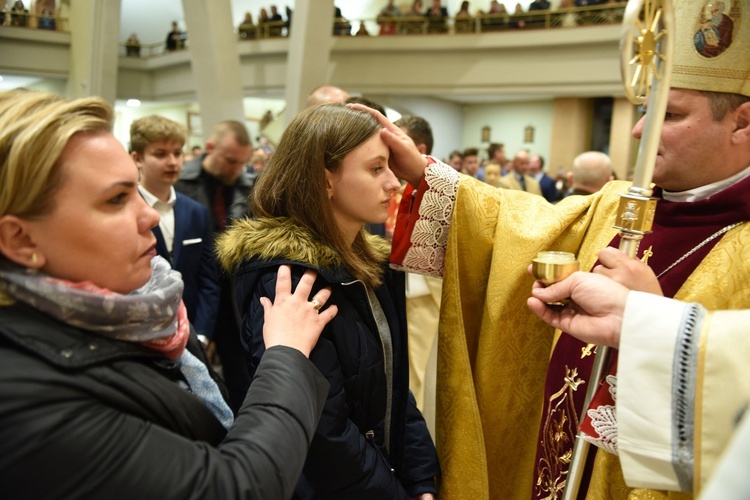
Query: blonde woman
x: 104, y: 390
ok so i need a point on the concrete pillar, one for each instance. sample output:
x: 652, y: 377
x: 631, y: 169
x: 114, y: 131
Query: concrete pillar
x: 94, y: 39
x: 309, y: 52
x: 572, y: 120
x: 622, y: 147
x: 215, y: 62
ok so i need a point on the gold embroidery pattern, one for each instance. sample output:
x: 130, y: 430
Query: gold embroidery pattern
x: 588, y: 350
x: 647, y: 253
x: 559, y: 429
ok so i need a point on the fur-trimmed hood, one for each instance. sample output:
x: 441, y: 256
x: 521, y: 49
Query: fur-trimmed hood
x: 281, y: 239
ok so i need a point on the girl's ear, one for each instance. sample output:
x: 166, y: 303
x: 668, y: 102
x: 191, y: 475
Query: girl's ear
x: 329, y: 184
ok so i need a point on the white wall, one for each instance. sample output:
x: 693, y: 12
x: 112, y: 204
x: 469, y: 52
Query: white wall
x: 507, y: 122
x: 445, y: 118
x: 254, y: 110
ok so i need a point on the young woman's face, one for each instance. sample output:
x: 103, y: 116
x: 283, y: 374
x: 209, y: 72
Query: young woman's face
x: 360, y: 190
x: 100, y: 227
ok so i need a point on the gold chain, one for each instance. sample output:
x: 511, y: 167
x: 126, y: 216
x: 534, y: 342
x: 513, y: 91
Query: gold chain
x: 699, y: 246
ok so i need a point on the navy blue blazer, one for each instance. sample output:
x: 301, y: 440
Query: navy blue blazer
x: 549, y: 188
x: 193, y: 256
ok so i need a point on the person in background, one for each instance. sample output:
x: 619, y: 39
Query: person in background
x: 464, y: 22
x: 591, y: 171
x: 101, y: 377
x: 133, y: 46
x: 362, y: 31
x: 175, y: 38
x: 371, y: 441
x: 184, y: 234
x: 422, y: 301
x: 470, y: 162
x: 492, y: 174
x: 455, y: 160
x: 436, y: 16
x: 385, y: 16
x: 546, y: 183
x: 47, y: 20
x: 518, y: 178
x: 218, y: 180
x: 277, y: 22
x: 247, y: 29
x: 326, y: 94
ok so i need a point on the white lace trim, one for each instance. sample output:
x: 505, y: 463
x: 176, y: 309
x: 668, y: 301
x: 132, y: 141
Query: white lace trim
x: 604, y: 422
x: 430, y: 236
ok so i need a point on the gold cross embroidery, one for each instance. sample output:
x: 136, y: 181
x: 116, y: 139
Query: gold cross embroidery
x: 588, y: 350
x: 646, y: 254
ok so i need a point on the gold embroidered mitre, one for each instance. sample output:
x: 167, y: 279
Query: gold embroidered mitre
x: 712, y: 46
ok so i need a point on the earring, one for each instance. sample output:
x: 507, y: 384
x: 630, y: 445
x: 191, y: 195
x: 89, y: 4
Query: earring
x: 33, y: 258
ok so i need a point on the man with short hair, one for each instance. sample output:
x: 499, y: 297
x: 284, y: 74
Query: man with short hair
x: 496, y: 155
x: 546, y: 183
x: 455, y: 160
x: 518, y: 177
x: 470, y: 162
x: 183, y: 236
x: 419, y: 130
x: 591, y: 171
x: 511, y: 398
x: 218, y: 180
x: 277, y: 22
x: 422, y: 302
x: 326, y: 94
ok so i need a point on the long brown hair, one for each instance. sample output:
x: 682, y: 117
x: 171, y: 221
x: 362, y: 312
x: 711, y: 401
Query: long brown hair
x: 293, y: 184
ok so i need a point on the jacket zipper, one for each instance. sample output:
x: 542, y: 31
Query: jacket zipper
x: 372, y: 314
x: 370, y: 436
x: 389, y: 410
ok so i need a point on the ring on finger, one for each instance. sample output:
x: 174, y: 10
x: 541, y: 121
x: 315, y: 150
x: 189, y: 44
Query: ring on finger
x: 316, y: 305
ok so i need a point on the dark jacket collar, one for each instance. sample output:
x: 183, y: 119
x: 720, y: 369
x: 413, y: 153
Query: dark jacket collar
x: 63, y: 345
x: 253, y: 243
x: 192, y: 170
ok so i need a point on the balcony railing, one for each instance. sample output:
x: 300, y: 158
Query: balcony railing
x: 33, y: 21
x: 596, y: 15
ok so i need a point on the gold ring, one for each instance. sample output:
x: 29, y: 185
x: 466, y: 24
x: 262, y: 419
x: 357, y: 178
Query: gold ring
x: 316, y: 305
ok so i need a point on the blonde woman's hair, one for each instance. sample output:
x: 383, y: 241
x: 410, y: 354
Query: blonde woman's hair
x: 35, y: 127
x: 293, y: 184
x: 155, y: 128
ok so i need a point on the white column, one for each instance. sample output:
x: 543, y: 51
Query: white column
x: 215, y: 61
x: 309, y: 52
x: 622, y: 146
x: 95, y: 32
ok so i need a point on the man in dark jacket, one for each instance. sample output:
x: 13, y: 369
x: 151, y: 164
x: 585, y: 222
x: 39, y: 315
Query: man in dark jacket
x: 218, y: 180
x: 546, y: 183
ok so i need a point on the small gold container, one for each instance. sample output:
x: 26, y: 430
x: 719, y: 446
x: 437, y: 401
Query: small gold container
x: 551, y: 267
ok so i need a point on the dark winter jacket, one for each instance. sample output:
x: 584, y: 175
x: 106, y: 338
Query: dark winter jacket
x: 83, y: 416
x: 200, y: 186
x: 348, y: 457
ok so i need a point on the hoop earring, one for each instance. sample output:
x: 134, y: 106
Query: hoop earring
x: 33, y: 258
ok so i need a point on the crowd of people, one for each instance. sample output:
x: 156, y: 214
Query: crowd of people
x: 392, y: 20
x: 588, y: 173
x: 16, y: 14
x: 127, y: 277
x: 436, y: 19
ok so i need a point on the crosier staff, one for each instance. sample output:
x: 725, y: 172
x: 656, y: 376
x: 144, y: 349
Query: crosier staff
x: 646, y: 47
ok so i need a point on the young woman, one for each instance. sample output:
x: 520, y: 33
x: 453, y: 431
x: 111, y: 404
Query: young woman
x: 328, y: 177
x: 104, y: 392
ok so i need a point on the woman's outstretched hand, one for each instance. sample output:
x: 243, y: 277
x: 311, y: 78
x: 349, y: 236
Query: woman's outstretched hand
x: 293, y: 320
x: 406, y: 161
